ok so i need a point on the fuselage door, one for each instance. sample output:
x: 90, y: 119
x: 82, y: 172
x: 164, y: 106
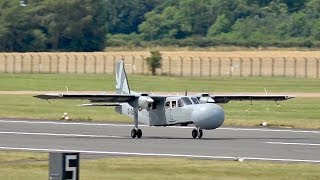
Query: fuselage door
x: 169, y: 107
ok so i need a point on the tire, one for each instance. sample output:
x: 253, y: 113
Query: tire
x: 133, y: 133
x: 200, y: 134
x: 194, y: 133
x: 139, y: 133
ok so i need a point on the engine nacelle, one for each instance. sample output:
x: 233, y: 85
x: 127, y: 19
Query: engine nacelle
x: 145, y: 102
x: 206, y: 99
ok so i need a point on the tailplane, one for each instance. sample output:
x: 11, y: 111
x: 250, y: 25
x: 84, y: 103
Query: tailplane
x: 122, y: 86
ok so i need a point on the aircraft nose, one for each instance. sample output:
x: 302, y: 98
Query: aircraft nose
x: 208, y: 116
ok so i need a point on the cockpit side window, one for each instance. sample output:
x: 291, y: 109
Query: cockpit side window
x: 195, y: 100
x: 180, y: 103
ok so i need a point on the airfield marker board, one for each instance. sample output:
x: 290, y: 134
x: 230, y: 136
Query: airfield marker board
x: 63, y: 166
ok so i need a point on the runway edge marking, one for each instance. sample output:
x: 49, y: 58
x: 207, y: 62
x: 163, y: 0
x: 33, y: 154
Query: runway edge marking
x: 299, y: 144
x: 159, y: 155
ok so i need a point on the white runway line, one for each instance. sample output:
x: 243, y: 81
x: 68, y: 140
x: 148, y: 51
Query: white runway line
x: 270, y: 130
x: 179, y: 127
x: 156, y: 154
x: 65, y: 135
x: 299, y: 144
x: 66, y: 123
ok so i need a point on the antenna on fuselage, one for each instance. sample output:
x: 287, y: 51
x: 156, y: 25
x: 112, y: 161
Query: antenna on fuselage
x: 186, y: 93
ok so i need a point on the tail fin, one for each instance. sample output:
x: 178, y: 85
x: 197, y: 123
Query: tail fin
x: 122, y: 86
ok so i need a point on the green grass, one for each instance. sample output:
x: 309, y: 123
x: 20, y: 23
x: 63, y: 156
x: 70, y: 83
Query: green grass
x: 298, y: 112
x: 24, y: 167
x: 77, y: 82
x: 26, y: 106
x: 16, y: 157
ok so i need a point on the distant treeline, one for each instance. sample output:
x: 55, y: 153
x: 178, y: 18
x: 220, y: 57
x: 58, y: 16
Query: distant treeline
x: 92, y: 25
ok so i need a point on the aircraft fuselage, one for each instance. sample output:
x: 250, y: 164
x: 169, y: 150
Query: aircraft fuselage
x: 174, y: 112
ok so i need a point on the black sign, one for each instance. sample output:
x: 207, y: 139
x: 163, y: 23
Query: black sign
x: 71, y: 166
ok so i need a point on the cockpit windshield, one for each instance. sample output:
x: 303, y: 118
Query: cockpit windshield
x: 195, y: 100
x: 184, y: 101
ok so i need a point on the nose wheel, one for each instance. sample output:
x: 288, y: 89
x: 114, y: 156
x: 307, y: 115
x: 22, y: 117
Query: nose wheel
x: 136, y: 133
x: 197, y: 133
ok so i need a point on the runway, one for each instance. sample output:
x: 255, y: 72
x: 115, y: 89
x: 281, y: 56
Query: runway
x: 285, y: 145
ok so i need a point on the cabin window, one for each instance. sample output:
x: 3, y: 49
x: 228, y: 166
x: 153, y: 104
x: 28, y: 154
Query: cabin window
x: 195, y: 100
x: 174, y: 104
x: 167, y: 105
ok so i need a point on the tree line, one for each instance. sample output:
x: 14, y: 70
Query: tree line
x: 92, y: 25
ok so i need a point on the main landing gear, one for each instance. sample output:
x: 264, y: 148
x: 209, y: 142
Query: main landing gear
x: 197, y: 133
x: 136, y: 133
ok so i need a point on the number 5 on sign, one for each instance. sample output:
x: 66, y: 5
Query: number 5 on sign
x: 71, y: 167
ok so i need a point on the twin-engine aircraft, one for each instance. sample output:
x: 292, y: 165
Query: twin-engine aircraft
x: 202, y: 110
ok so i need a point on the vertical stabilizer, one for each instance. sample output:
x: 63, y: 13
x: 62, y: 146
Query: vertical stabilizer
x: 122, y: 86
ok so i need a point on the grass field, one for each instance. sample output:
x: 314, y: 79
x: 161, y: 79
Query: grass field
x: 27, y: 166
x: 76, y: 82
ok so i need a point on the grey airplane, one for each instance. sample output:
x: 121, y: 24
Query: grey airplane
x: 202, y: 110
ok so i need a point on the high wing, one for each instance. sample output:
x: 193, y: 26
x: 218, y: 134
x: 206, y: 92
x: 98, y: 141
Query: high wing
x: 107, y: 98
x: 227, y: 98
x: 102, y: 99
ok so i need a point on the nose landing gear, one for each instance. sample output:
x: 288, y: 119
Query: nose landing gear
x: 197, y: 133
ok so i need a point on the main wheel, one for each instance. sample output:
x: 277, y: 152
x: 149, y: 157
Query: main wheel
x: 133, y: 133
x: 200, y: 134
x: 194, y: 133
x: 139, y: 133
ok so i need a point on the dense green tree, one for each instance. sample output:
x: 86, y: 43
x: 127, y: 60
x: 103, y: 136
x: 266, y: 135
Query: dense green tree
x: 221, y: 25
x: 312, y: 9
x: 15, y: 32
x: 86, y: 25
x: 159, y: 26
x: 295, y: 5
x: 124, y: 17
x: 75, y: 25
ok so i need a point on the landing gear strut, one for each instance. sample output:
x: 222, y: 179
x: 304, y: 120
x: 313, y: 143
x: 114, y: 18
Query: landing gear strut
x: 197, y: 133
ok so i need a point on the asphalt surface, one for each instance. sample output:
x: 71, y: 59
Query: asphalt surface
x: 285, y: 145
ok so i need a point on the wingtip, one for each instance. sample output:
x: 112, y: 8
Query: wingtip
x: 41, y: 96
x: 48, y: 96
x: 290, y: 97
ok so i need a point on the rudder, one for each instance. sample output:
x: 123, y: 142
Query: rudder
x: 122, y: 86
